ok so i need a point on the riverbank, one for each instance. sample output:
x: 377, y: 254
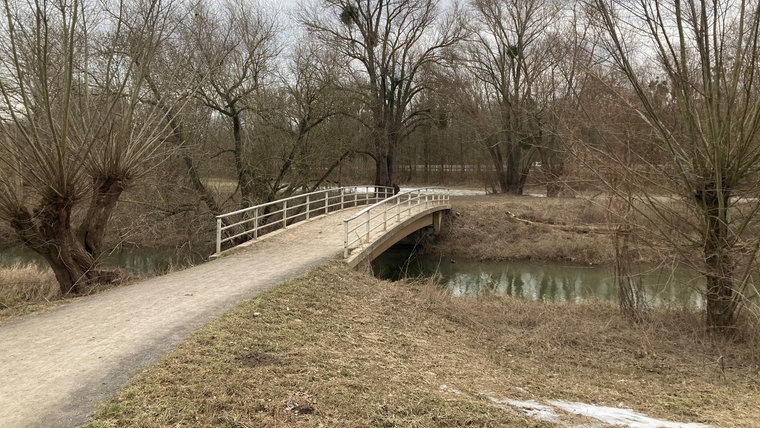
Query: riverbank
x: 504, y: 227
x: 340, y: 348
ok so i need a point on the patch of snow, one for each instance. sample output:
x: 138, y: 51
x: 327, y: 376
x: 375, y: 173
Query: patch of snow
x: 619, y: 416
x: 530, y: 408
x: 552, y: 411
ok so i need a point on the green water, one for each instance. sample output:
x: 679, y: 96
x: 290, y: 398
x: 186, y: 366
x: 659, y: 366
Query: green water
x: 541, y: 281
x: 137, y: 261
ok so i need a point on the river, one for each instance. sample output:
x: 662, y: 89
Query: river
x: 138, y: 261
x: 541, y: 281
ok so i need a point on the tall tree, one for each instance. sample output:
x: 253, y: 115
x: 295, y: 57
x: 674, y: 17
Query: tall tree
x: 172, y: 89
x: 75, y: 132
x: 234, y: 52
x: 560, y: 92
x: 387, y: 44
x: 702, y: 104
x: 508, y: 55
x: 307, y: 101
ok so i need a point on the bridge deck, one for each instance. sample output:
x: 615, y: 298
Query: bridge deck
x: 55, y: 367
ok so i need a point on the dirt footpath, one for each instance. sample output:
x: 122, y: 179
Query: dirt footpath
x: 56, y: 367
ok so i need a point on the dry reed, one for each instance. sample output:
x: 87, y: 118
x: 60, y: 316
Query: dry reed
x: 25, y: 284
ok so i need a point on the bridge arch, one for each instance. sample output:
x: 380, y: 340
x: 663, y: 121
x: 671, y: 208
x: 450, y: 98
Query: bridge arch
x: 370, y: 232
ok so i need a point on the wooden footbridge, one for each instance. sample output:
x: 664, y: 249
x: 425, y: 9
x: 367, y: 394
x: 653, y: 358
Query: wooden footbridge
x: 60, y: 365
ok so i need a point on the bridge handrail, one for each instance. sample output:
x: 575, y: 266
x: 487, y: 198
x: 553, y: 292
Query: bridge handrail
x: 369, y: 219
x: 317, y: 202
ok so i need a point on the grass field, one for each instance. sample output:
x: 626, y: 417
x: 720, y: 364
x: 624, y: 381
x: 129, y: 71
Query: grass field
x: 338, y: 348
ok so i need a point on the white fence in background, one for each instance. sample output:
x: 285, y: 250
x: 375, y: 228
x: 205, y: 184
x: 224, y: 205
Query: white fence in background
x: 359, y: 227
x: 253, y: 222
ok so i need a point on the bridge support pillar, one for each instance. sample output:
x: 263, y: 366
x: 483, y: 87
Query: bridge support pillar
x: 437, y: 221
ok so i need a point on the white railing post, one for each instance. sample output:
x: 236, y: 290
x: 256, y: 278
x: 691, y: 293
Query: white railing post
x: 327, y: 201
x: 284, y: 214
x: 398, y: 208
x: 385, y: 217
x: 368, y: 219
x: 345, y: 238
x: 342, y: 193
x: 356, y: 196
x: 308, y: 208
x: 256, y: 223
x: 218, y: 235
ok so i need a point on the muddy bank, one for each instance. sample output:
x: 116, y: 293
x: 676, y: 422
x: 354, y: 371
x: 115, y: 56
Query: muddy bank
x: 501, y: 227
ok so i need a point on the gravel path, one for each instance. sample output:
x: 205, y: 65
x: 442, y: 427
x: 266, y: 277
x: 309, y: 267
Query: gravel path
x: 56, y: 367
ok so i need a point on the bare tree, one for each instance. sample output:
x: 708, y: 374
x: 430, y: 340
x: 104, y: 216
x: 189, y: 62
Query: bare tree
x: 234, y: 49
x: 172, y: 89
x: 560, y: 92
x: 309, y: 101
x: 387, y: 44
x: 509, y: 54
x: 73, y: 124
x: 696, y: 89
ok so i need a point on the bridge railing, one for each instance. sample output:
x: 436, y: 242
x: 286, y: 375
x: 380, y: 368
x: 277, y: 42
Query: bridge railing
x: 358, y: 228
x: 246, y: 224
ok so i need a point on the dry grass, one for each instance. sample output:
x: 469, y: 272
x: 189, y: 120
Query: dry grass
x: 24, y: 288
x: 337, y: 348
x: 481, y: 229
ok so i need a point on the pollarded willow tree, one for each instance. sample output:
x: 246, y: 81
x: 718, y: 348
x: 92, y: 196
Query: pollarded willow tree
x: 387, y: 44
x: 704, y: 108
x: 75, y: 131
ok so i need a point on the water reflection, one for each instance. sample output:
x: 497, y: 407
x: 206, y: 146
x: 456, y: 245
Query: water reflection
x: 541, y: 281
x: 138, y: 261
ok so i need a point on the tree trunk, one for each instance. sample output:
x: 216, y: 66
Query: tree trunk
x: 178, y: 135
x: 244, y: 175
x: 513, y: 174
x: 382, y: 174
x: 385, y: 157
x: 498, y: 166
x: 49, y: 233
x: 200, y: 189
x: 509, y: 174
x: 554, y: 170
x: 722, y: 301
x: 92, y: 231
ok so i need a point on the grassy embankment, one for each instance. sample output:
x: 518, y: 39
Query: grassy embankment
x: 340, y: 348
x: 26, y: 288
x: 482, y: 229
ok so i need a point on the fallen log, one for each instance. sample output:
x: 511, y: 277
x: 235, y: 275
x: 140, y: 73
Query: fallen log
x: 563, y: 227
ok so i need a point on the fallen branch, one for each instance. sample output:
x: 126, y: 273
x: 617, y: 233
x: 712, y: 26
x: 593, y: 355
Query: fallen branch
x: 567, y: 228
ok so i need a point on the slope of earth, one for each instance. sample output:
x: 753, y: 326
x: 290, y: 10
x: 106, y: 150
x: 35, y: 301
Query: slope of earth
x: 339, y: 348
